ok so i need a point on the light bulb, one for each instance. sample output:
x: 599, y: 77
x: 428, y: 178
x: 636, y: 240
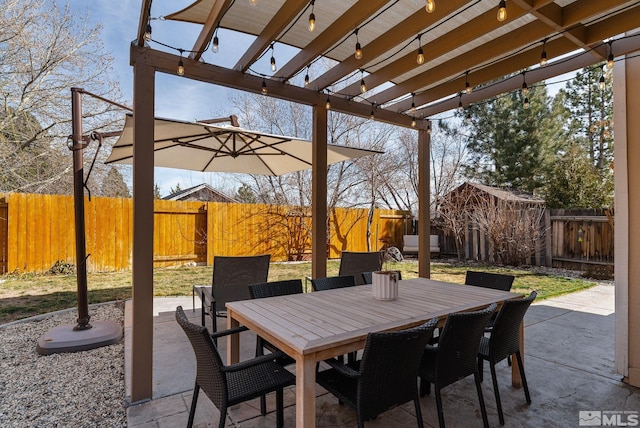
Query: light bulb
x: 468, y: 118
x: 253, y: 2
x: 306, y: 80
x: 526, y: 103
x: 147, y: 33
x: 413, y: 107
x: 413, y: 122
x: 420, y: 57
x: 502, y: 11
x: 328, y: 105
x: 525, y: 88
x: 264, y: 87
x: 180, y: 68
x: 429, y: 129
x: 601, y: 83
x: 363, y: 87
x: 312, y: 21
x: 543, y: 58
x: 460, y: 107
x: 358, y: 53
x: 372, y: 115
x: 467, y: 88
x: 431, y: 6
x: 214, y: 47
x: 273, y: 64
x: 610, y: 61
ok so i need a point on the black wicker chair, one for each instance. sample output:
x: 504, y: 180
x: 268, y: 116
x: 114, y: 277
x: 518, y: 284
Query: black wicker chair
x: 385, y: 376
x: 455, y: 356
x: 230, y: 385
x: 331, y: 282
x: 505, y: 341
x: 497, y: 281
x: 354, y: 263
x: 230, y: 281
x: 272, y: 289
x: 367, y: 277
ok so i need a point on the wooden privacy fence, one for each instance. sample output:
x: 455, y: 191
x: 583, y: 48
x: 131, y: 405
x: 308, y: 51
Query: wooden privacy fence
x: 36, y: 231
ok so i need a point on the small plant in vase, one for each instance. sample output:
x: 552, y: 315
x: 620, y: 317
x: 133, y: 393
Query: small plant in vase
x: 385, y: 282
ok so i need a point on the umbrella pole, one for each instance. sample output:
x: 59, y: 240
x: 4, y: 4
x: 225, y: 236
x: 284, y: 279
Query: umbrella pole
x: 78, y: 196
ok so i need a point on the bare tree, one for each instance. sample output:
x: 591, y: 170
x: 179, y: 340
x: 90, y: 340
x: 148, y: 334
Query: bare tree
x: 453, y: 213
x: 44, y: 51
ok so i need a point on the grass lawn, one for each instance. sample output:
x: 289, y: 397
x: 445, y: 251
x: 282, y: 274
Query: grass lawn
x: 26, y: 295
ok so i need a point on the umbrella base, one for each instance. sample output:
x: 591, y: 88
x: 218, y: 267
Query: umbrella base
x: 65, y: 339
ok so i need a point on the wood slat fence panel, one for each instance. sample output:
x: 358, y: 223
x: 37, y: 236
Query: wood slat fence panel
x: 39, y: 230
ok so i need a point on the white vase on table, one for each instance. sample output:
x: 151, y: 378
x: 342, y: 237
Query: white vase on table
x: 385, y: 285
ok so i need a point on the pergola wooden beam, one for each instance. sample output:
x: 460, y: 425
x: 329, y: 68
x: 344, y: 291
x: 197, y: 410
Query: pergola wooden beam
x: 208, y: 28
x: 345, y: 24
x: 287, y: 13
x: 166, y: 63
x: 145, y: 10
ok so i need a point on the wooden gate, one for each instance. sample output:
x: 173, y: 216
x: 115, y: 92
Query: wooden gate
x: 4, y: 236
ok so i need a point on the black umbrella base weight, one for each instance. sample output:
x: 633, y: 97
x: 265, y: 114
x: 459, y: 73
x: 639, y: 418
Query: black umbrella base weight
x: 65, y: 339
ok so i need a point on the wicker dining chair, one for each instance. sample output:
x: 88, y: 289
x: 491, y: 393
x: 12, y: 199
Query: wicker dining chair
x: 354, y: 263
x: 497, y: 281
x: 230, y: 281
x: 228, y: 385
x: 272, y: 289
x: 505, y: 341
x: 386, y: 375
x: 332, y: 282
x: 455, y: 356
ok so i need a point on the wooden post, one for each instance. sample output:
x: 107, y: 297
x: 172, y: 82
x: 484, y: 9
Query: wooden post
x: 424, y: 203
x: 142, y: 292
x: 319, y: 193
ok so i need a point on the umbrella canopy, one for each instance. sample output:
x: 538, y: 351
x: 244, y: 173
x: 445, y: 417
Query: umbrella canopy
x: 209, y: 148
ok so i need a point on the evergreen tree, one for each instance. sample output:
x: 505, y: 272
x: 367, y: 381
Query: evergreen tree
x: 114, y: 186
x: 175, y: 189
x: 506, y: 141
x: 245, y: 195
x: 156, y: 191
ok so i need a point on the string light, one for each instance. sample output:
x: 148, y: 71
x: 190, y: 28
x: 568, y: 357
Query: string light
x: 467, y: 86
x: 253, y: 2
x: 413, y: 122
x: 420, y: 57
x: 429, y: 128
x: 467, y: 118
x: 147, y: 32
x: 413, y: 102
x: 312, y: 17
x: 502, y: 11
x: 363, y: 87
x: 306, y: 78
x: 358, y: 53
x: 431, y: 6
x: 328, y: 104
x: 543, y: 54
x: 273, y: 60
x: 264, y: 87
x: 372, y: 115
x: 602, y: 83
x: 526, y: 103
x: 610, y: 58
x: 525, y: 89
x: 460, y: 106
x: 216, y: 41
x: 181, y: 64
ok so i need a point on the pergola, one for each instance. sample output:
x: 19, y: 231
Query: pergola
x: 400, y: 62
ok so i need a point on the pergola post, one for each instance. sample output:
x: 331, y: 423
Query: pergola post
x: 627, y: 215
x: 319, y: 193
x: 424, y: 197
x: 142, y: 266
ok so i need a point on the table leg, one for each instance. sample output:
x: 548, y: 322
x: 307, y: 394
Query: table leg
x: 305, y: 392
x: 516, y: 380
x: 233, y: 340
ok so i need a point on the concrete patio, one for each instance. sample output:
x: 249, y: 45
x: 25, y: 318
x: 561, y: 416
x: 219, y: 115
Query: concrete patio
x: 568, y: 360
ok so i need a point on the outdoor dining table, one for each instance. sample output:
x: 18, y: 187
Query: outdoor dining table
x: 311, y: 327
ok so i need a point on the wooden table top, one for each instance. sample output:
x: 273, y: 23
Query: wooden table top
x: 311, y: 322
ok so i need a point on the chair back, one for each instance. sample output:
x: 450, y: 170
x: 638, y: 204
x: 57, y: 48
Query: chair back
x: 331, y: 282
x: 505, y: 336
x: 458, y: 345
x: 233, y: 275
x: 209, y: 375
x: 275, y: 288
x: 497, y: 281
x: 389, y: 368
x: 354, y: 263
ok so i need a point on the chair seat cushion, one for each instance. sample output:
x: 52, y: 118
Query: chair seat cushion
x: 255, y: 381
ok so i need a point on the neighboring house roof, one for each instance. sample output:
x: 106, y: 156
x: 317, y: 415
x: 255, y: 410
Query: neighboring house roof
x: 202, y: 192
x: 504, y: 194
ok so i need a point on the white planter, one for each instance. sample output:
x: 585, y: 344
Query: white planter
x: 385, y: 285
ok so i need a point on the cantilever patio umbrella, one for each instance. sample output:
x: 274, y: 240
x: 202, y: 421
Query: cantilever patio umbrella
x: 204, y: 147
